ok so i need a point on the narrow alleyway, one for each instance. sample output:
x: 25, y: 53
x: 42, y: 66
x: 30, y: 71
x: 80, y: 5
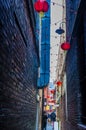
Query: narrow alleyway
x: 42, y: 64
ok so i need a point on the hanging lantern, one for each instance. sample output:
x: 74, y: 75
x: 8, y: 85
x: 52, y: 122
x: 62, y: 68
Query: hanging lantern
x: 59, y: 83
x: 65, y: 46
x: 38, y: 6
x: 52, y: 91
x: 49, y: 101
x: 52, y: 101
x: 48, y: 96
x: 41, y: 6
x: 45, y: 6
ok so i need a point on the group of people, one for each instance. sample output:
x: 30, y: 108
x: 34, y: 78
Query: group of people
x: 51, y: 117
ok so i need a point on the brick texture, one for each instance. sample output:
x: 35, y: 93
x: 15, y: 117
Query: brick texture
x: 76, y: 73
x: 18, y: 67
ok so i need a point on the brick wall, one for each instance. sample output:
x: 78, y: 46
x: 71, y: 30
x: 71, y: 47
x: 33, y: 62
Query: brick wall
x: 73, y: 96
x: 71, y: 120
x: 75, y: 73
x: 18, y: 67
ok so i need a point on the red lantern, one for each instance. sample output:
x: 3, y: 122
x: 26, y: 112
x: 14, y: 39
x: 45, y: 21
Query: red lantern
x: 59, y: 83
x: 45, y: 6
x: 49, y: 101
x: 52, y: 91
x: 48, y: 96
x: 41, y: 6
x: 52, y: 101
x: 65, y: 46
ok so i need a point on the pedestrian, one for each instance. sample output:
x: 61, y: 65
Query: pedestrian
x: 49, y: 118
x: 53, y: 118
x: 44, y: 120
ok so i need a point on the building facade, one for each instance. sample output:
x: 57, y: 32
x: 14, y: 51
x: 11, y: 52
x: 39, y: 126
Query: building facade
x: 73, y: 105
x: 19, y: 61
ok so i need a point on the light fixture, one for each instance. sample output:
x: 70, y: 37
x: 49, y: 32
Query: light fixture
x: 60, y: 30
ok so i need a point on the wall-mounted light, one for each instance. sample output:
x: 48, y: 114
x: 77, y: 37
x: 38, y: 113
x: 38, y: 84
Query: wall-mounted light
x: 60, y: 30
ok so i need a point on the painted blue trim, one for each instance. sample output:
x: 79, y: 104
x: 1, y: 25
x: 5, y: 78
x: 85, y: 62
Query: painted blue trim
x: 44, y: 78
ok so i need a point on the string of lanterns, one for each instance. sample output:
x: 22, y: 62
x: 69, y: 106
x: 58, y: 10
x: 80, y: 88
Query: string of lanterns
x: 54, y: 54
x: 54, y: 3
x: 63, y: 6
x: 54, y: 46
x: 59, y: 21
x: 54, y: 36
x: 43, y: 6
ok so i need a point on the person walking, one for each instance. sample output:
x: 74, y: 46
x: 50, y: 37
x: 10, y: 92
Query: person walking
x: 44, y: 120
x: 53, y: 118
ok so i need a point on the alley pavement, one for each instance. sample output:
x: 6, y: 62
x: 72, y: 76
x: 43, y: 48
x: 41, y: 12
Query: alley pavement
x: 49, y: 126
